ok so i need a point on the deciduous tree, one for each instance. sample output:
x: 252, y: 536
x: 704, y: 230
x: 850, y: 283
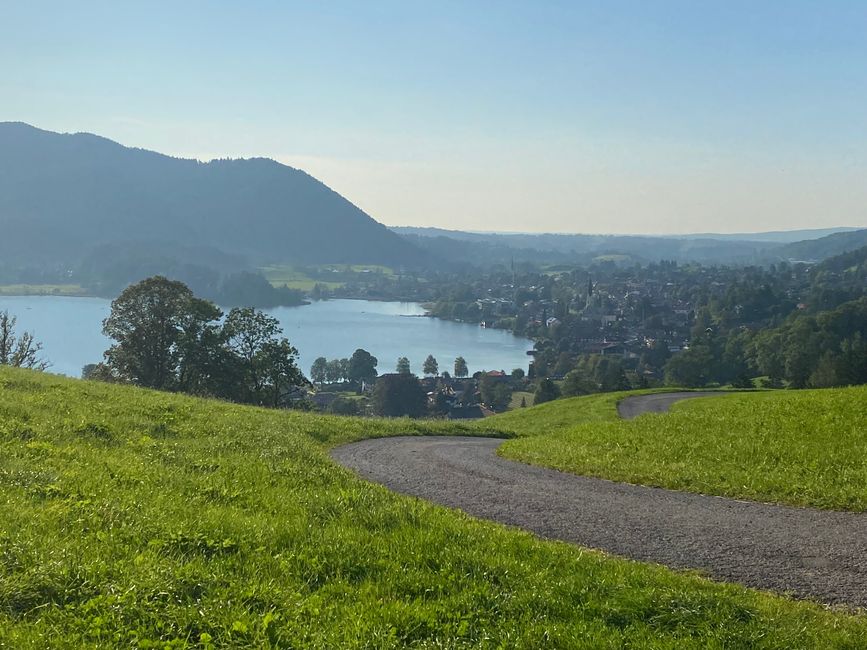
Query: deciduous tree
x: 461, y: 367
x: 147, y: 323
x: 362, y: 366
x: 318, y: 371
x: 20, y: 351
x: 399, y: 394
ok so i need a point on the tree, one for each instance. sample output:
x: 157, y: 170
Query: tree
x: 403, y: 366
x: 399, y: 394
x: 578, y: 383
x: 318, y: 371
x: 98, y: 372
x: 265, y: 363
x: 564, y: 364
x: 690, y: 368
x: 19, y: 351
x: 546, y: 391
x: 147, y: 323
x: 362, y: 366
x: 247, y: 331
x: 166, y: 338
x: 282, y: 376
x: 344, y: 406
x: 518, y: 374
x: 461, y: 369
x: 431, y: 367
x: 343, y: 367
x: 203, y: 359
x: 333, y: 371
x: 495, y: 392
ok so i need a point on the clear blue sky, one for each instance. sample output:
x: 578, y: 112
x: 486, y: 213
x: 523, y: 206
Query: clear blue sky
x: 644, y: 116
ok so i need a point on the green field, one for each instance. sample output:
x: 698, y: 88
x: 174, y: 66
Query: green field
x: 517, y: 396
x: 293, y: 278
x: 798, y: 447
x: 42, y: 290
x: 306, y: 278
x: 132, y: 518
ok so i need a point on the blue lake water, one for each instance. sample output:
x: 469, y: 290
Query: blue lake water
x: 70, y: 331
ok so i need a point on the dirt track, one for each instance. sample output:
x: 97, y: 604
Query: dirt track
x: 808, y: 553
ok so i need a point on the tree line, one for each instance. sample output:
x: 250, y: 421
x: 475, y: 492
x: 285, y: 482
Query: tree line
x: 168, y: 339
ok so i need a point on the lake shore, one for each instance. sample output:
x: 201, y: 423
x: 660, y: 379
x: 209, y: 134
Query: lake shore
x: 70, y: 328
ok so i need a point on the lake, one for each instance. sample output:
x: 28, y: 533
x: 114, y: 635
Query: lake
x: 70, y: 330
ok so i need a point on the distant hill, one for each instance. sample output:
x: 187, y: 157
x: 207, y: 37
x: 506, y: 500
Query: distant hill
x: 819, y: 249
x: 844, y: 262
x: 560, y: 248
x: 582, y: 249
x: 64, y: 196
x: 771, y: 236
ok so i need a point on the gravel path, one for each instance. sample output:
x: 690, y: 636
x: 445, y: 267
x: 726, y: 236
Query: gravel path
x: 657, y: 402
x: 807, y: 553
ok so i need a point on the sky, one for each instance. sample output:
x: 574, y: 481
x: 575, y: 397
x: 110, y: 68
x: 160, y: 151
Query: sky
x: 595, y: 117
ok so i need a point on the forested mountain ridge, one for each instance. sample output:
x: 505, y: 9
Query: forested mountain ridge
x: 61, y: 195
x: 824, y: 247
x: 562, y: 248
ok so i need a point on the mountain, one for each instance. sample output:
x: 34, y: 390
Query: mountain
x: 771, y: 236
x: 582, y: 249
x: 845, y: 262
x: 62, y: 196
x: 819, y: 249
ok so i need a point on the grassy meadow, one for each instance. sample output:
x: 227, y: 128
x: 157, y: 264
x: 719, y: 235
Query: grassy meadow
x: 42, y: 290
x: 131, y: 518
x: 301, y: 278
x: 293, y: 278
x: 803, y: 448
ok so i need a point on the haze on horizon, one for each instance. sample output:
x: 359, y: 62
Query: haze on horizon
x: 669, y: 117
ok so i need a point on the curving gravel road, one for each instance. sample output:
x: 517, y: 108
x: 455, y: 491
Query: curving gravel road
x: 807, y: 553
x: 636, y: 405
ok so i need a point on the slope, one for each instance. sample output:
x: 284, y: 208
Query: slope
x: 62, y: 195
x: 793, y: 447
x: 824, y: 247
x: 134, y: 518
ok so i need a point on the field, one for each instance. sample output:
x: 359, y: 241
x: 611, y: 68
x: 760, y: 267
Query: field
x: 293, y: 278
x: 329, y: 275
x: 132, y: 518
x: 518, y: 396
x: 798, y: 447
x: 42, y: 290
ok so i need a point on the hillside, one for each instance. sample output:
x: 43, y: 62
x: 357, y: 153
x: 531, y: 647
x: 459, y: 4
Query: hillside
x: 552, y: 248
x: 795, y: 447
x: 824, y: 247
x: 62, y: 196
x: 133, y: 518
x: 849, y: 262
x: 481, y: 249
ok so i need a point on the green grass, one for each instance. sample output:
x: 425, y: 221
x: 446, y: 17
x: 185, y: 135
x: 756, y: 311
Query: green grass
x: 304, y: 278
x: 803, y: 448
x: 293, y: 278
x: 130, y: 518
x: 42, y: 290
x: 517, y: 396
